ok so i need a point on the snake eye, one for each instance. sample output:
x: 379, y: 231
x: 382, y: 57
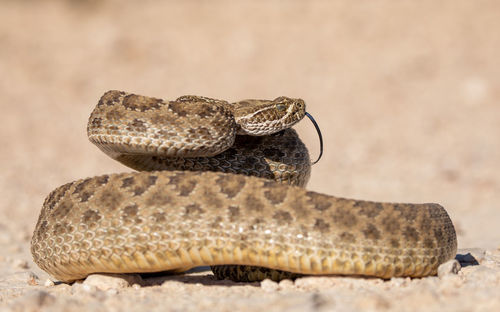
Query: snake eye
x: 280, y: 107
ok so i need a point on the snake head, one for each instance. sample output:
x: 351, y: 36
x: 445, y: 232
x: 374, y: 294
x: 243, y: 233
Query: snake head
x: 264, y: 117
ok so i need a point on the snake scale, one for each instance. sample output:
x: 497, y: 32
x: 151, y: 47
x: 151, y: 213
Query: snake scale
x: 206, y: 196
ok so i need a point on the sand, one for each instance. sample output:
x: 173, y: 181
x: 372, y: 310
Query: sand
x: 406, y: 94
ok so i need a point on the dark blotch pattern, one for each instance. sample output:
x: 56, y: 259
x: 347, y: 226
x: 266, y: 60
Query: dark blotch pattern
x: 408, y: 213
x: 217, y: 222
x: 110, y: 98
x: 60, y: 229
x: 320, y: 202
x: 276, y: 195
x: 56, y: 195
x: 206, y: 111
x: 438, y: 234
x: 102, y: 179
x: 429, y: 243
x: 391, y: 225
x: 127, y: 182
x: 371, y: 210
x: 253, y: 203
x: 109, y: 200
x: 141, y: 103
x: 114, y: 114
x: 178, y: 108
x: 394, y: 243
x: 141, y: 186
x: 183, y: 184
x: 282, y: 217
x: 344, y: 217
x: 411, y: 234
x: 95, y: 123
x: 130, y: 211
x: 230, y: 185
x: 137, y: 125
x: 159, y: 217
x: 234, y: 213
x: 347, y: 237
x: 84, y: 190
x: 90, y: 216
x: 193, y: 209
x: 63, y: 208
x: 371, y: 232
x: 321, y: 225
x: 158, y: 198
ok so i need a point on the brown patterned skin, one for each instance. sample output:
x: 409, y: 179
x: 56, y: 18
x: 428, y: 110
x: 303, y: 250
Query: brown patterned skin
x: 280, y: 156
x: 173, y: 220
x: 191, y: 126
x: 157, y: 221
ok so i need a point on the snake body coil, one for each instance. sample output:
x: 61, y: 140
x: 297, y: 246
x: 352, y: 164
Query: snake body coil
x: 173, y: 220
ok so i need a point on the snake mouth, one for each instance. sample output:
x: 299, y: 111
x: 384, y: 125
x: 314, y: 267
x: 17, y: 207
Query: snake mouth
x: 319, y: 135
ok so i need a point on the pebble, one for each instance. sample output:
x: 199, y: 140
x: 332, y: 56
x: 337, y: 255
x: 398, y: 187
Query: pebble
x: 470, y: 256
x: 109, y: 281
x: 286, y: 284
x: 48, y: 283
x: 400, y: 281
x: 451, y: 267
x: 79, y: 287
x: 136, y: 286
x: 269, y: 286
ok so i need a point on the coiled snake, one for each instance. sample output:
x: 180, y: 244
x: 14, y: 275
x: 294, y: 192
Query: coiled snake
x: 214, y: 202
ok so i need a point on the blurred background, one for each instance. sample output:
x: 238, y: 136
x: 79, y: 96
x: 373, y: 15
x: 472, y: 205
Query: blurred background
x: 406, y: 92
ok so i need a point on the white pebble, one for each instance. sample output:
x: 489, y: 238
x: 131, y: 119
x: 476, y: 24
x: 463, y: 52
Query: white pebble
x: 269, y: 286
x: 109, y: 281
x: 448, y: 268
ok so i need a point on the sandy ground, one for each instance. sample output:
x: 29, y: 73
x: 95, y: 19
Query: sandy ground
x: 406, y: 94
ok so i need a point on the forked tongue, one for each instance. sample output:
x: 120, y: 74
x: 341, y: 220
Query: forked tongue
x: 320, y: 137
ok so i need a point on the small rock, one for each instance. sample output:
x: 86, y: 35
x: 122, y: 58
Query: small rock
x: 466, y: 259
x: 399, y: 281
x: 470, y: 256
x: 48, y: 283
x: 449, y: 268
x: 79, y: 287
x: 269, y: 286
x: 136, y: 286
x: 286, y: 284
x: 116, y: 281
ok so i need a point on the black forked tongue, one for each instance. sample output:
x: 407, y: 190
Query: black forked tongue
x: 320, y: 137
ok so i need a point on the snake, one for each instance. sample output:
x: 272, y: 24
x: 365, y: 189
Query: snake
x: 223, y: 184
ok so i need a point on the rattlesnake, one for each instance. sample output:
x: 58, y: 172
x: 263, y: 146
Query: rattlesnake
x: 173, y: 220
